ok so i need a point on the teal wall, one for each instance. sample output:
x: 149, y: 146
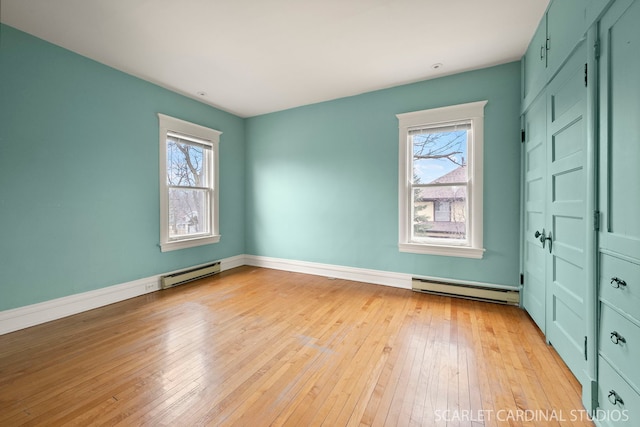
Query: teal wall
x: 322, y: 180
x: 79, y: 191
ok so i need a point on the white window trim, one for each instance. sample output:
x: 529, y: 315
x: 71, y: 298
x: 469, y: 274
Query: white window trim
x: 473, y: 111
x: 167, y: 124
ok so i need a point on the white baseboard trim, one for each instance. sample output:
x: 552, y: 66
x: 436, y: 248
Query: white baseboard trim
x: 232, y: 262
x: 378, y: 277
x: 35, y: 314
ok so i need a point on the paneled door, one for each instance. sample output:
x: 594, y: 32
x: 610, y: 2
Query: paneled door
x: 567, y: 188
x: 556, y: 229
x: 534, y: 166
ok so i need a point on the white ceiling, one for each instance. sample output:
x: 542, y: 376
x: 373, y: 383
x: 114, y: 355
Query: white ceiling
x: 252, y: 57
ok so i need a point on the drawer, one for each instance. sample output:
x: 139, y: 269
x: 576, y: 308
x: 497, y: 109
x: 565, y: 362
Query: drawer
x: 625, y: 413
x: 620, y: 343
x: 624, y: 297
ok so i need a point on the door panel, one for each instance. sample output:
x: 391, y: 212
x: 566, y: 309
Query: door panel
x: 534, y: 291
x: 566, y: 273
x: 566, y: 214
x: 565, y: 184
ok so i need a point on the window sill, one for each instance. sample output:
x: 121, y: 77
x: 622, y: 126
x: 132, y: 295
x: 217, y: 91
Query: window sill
x: 454, y: 251
x: 188, y: 243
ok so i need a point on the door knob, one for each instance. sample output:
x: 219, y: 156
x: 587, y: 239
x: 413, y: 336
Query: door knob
x: 550, y: 241
x: 618, y: 283
x: 616, y: 338
x: 614, y: 398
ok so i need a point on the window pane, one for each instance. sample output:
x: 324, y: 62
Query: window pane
x: 186, y: 163
x: 440, y: 212
x: 436, y: 155
x: 188, y: 212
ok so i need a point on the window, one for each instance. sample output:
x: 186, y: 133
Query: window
x: 440, y: 182
x: 443, y: 211
x: 188, y: 184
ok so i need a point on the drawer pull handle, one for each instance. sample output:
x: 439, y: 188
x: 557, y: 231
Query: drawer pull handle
x: 616, y: 338
x: 614, y: 398
x: 618, y: 283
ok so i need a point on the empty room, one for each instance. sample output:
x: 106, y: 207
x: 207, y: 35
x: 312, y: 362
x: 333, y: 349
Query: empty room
x: 320, y: 213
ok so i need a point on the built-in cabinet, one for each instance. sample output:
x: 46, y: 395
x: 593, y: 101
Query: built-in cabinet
x: 581, y: 196
x: 619, y: 212
x: 560, y: 28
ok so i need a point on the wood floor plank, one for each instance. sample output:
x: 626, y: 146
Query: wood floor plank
x: 261, y: 347
x: 385, y: 411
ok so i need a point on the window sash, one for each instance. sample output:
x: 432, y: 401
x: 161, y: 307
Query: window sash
x: 205, y: 167
x: 466, y: 241
x: 180, y: 228
x: 437, y: 149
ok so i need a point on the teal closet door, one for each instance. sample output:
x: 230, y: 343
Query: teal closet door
x: 556, y: 228
x: 566, y: 220
x: 534, y: 290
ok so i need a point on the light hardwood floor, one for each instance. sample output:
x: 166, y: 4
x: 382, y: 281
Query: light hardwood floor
x: 260, y: 347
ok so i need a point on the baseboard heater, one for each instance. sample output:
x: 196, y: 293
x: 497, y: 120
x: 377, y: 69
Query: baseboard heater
x: 175, y: 279
x: 478, y: 293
